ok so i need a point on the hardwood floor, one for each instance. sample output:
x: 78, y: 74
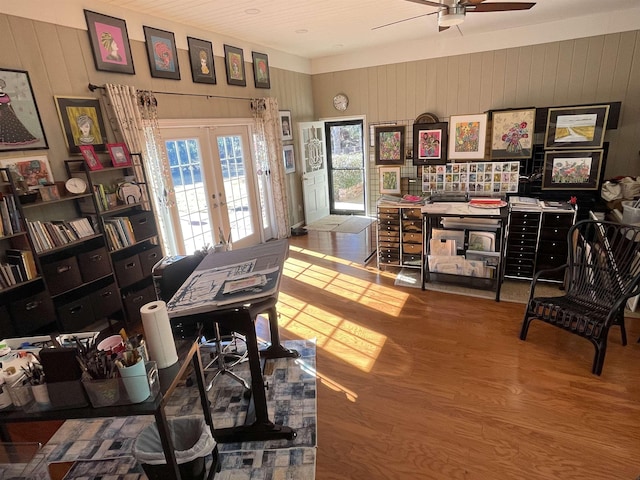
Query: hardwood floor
x: 415, y: 384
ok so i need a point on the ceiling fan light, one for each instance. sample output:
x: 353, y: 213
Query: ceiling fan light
x: 451, y: 16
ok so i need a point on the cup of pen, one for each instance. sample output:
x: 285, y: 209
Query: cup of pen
x: 134, y: 376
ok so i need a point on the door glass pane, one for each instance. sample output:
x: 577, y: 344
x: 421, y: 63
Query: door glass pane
x: 346, y: 167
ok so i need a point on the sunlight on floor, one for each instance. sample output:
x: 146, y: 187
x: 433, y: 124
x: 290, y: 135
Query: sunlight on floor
x: 350, y: 394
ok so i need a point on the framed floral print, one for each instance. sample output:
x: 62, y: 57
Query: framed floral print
x: 261, y: 75
x: 512, y: 133
x: 82, y: 124
x: 430, y: 143
x: 162, y: 53
x: 289, y: 159
x: 467, y: 136
x: 572, y: 170
x: 389, y: 145
x: 576, y: 127
x: 389, y: 179
x: 109, y: 43
x: 234, y: 62
x: 201, y: 58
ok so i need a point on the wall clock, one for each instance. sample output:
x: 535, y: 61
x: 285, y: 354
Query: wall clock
x: 341, y: 102
x: 76, y: 185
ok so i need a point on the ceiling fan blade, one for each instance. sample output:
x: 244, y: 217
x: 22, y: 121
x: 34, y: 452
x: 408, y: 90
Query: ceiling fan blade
x: 429, y: 3
x: 500, y: 7
x: 403, y: 20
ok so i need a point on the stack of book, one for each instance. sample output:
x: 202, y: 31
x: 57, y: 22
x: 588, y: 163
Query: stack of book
x: 49, y: 235
x: 119, y: 231
x: 9, y: 216
x: 19, y: 267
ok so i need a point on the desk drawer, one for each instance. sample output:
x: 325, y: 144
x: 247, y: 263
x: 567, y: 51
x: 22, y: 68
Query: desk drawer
x: 382, y: 245
x: 411, y: 259
x: 523, y: 255
x: 389, y: 225
x: 388, y: 210
x: 523, y: 238
x: 389, y: 236
x: 554, y: 233
x: 519, y: 270
x: 524, y: 218
x: 412, y: 237
x: 413, y: 226
x: 557, y: 220
x: 412, y: 213
x: 553, y: 247
x: 412, y: 248
x: 389, y: 251
x: 523, y: 229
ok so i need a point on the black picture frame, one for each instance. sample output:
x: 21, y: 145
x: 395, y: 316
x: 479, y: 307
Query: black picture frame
x: 389, y: 145
x: 162, y: 53
x: 261, y: 73
x: 109, y: 41
x: 18, y: 107
x: 430, y: 141
x: 203, y: 68
x: 576, y: 127
x: 234, y: 64
x: 572, y: 170
x: 75, y: 114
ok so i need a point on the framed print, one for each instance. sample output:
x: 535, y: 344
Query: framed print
x: 49, y: 193
x: 162, y: 53
x: 89, y: 155
x: 289, y: 159
x: 430, y: 143
x: 81, y: 120
x: 285, y: 125
x: 512, y: 133
x: 576, y: 127
x: 390, y: 145
x: 234, y: 62
x: 109, y: 43
x: 34, y: 170
x: 20, y: 122
x: 201, y: 58
x: 572, y: 170
x: 467, y: 136
x: 261, y: 75
x: 389, y: 179
x: 119, y: 154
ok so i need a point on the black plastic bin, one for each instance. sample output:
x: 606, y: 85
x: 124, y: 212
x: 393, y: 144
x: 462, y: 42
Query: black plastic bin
x: 192, y: 441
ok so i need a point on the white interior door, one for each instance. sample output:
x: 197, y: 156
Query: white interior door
x: 315, y: 188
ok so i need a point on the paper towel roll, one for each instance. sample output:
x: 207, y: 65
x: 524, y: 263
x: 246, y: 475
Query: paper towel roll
x: 158, y: 334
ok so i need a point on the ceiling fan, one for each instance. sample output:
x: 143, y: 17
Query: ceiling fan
x: 452, y: 13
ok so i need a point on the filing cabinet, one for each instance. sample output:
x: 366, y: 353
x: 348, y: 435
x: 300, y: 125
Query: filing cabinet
x: 399, y: 236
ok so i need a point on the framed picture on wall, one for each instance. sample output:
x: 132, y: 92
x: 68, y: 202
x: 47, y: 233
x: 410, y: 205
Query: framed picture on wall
x: 35, y: 170
x: 285, y: 125
x: 109, y: 43
x: 81, y: 120
x: 162, y: 53
x: 389, y: 179
x: 467, y: 136
x: 234, y: 62
x: 389, y: 145
x: 289, y: 159
x: 576, y: 127
x: 430, y: 143
x: 261, y: 75
x: 512, y: 133
x: 201, y: 58
x: 19, y: 116
x: 572, y: 170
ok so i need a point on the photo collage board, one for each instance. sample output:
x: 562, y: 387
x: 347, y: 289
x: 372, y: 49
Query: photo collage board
x: 473, y: 177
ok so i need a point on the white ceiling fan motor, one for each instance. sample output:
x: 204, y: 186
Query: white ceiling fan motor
x: 451, y: 16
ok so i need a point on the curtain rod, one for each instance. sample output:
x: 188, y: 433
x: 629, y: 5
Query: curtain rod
x: 93, y: 87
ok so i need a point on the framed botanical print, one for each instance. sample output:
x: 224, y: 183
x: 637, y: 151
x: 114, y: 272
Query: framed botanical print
x: 90, y: 157
x: 572, y: 170
x: 289, y: 159
x: 389, y: 145
x: 467, y: 136
x: 109, y: 43
x: 389, y: 179
x: 81, y: 120
x: 201, y: 58
x: 285, y: 125
x: 20, y: 121
x: 234, y: 62
x: 162, y: 53
x: 576, y: 127
x: 512, y: 133
x: 430, y: 143
x: 261, y: 75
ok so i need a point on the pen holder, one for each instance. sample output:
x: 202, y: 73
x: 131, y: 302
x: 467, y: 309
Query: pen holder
x: 135, y: 382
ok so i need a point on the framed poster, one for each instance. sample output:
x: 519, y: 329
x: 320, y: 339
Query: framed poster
x: 512, y: 133
x: 261, y: 75
x: 285, y: 125
x: 467, y: 136
x: 390, y: 145
x: 162, y: 53
x: 90, y: 157
x: 201, y: 58
x: 119, y: 154
x: 430, y: 143
x: 234, y: 62
x: 109, y: 43
x: 34, y: 170
x: 289, y: 159
x: 572, y: 170
x: 389, y: 179
x: 576, y: 127
x: 20, y: 121
x: 81, y: 120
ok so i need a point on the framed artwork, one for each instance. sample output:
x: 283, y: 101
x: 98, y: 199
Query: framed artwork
x: 390, y: 145
x: 285, y: 125
x: 261, y: 75
x: 89, y: 155
x: 430, y: 143
x: 109, y: 43
x: 289, y: 159
x: 512, y: 133
x: 467, y: 136
x: 81, y: 120
x: 119, y: 154
x: 572, y: 170
x: 201, y: 58
x: 34, y: 170
x: 576, y: 127
x: 49, y: 193
x: 234, y: 62
x: 389, y: 179
x: 20, y: 121
x: 162, y: 53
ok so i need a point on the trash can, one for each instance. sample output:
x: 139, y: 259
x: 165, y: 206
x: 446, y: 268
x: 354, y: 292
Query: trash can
x: 192, y: 441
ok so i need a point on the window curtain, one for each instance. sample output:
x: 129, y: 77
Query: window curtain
x: 267, y: 117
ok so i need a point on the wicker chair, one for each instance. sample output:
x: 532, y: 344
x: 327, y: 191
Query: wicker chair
x: 602, y: 272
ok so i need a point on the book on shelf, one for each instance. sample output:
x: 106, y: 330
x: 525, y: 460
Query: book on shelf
x: 7, y: 226
x: 25, y: 257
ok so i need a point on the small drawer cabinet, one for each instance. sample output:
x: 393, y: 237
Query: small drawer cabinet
x: 399, y: 236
